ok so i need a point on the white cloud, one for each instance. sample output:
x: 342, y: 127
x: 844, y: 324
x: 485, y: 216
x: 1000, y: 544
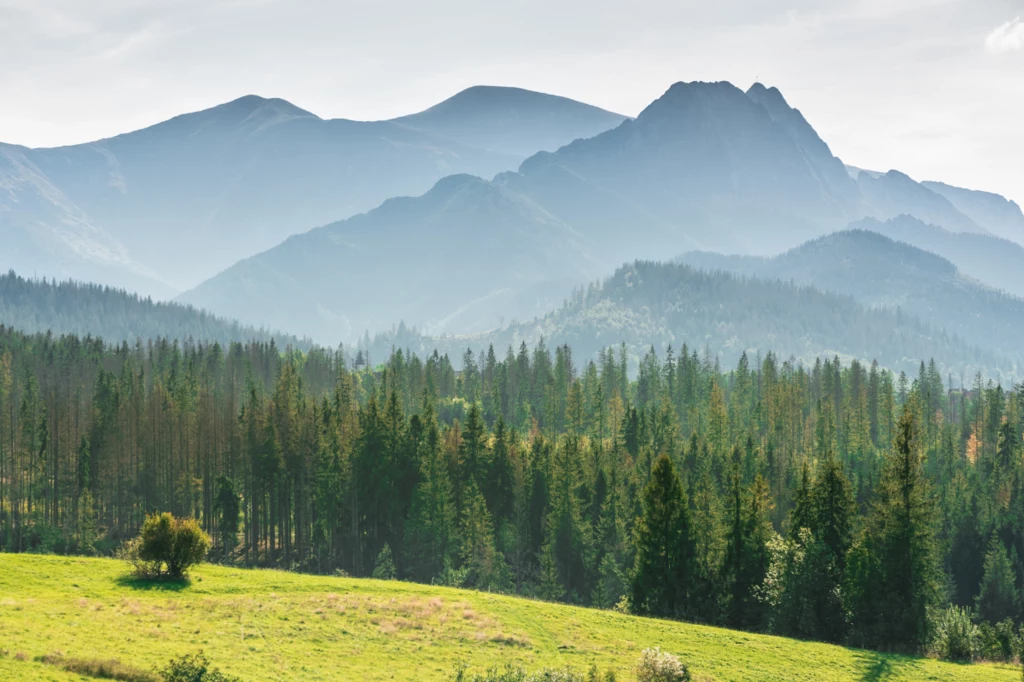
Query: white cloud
x: 1005, y: 38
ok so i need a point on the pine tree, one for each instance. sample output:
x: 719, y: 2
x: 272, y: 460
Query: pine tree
x: 485, y: 565
x: 662, y: 576
x: 998, y: 598
x: 894, y: 572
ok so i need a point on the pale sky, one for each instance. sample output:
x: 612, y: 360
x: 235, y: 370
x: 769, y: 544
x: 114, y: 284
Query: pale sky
x: 934, y: 88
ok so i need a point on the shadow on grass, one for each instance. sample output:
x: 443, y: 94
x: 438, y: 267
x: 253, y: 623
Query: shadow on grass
x: 878, y: 668
x: 153, y: 584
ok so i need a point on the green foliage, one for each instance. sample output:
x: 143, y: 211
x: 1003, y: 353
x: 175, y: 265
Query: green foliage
x: 1000, y: 641
x: 998, y: 598
x: 168, y: 546
x: 193, y: 668
x: 957, y: 638
x: 263, y: 625
x: 384, y: 568
x: 656, y: 665
x: 664, y: 553
x: 894, y: 577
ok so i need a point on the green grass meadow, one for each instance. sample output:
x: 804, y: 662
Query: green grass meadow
x: 274, y: 625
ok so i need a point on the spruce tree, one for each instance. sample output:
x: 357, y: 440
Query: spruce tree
x: 998, y: 598
x: 664, y: 548
x: 894, y: 573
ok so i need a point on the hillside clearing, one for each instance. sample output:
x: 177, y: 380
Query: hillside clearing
x: 274, y: 625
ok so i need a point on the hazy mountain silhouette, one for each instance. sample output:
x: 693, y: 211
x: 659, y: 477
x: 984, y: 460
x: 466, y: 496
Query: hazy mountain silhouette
x: 192, y: 195
x: 894, y: 193
x: 511, y: 121
x: 44, y: 232
x: 880, y: 272
x: 991, y: 260
x: 462, y: 256
x: 647, y: 304
x: 704, y: 166
x: 995, y: 213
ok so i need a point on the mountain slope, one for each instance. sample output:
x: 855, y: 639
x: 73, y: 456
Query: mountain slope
x: 511, y: 121
x: 39, y: 307
x: 990, y: 260
x: 192, y: 195
x: 892, y: 194
x: 45, y: 232
x: 462, y: 256
x: 706, y: 166
x: 656, y: 304
x: 995, y: 213
x: 880, y: 272
x: 423, y: 632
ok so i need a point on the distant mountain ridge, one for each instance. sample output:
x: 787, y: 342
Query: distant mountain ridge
x: 880, y: 272
x: 37, y: 306
x: 163, y: 208
x: 997, y: 214
x: 511, y: 121
x: 647, y: 304
x: 991, y: 260
x: 462, y: 255
x: 706, y: 166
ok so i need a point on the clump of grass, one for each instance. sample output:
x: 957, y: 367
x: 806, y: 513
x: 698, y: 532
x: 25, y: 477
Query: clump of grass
x: 101, y: 669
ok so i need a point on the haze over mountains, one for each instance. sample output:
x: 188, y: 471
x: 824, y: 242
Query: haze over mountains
x: 706, y: 166
x: 469, y: 246
x: 881, y: 273
x: 165, y: 207
x: 647, y: 304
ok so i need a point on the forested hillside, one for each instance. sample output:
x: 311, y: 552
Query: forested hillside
x: 661, y: 304
x: 770, y: 496
x: 880, y: 272
x: 47, y: 306
x: 990, y: 260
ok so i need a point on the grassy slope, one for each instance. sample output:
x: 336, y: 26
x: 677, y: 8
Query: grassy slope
x: 272, y: 625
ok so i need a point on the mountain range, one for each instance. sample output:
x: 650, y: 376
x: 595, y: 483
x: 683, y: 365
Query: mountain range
x: 647, y: 304
x: 879, y: 272
x: 436, y: 232
x: 163, y: 208
x: 707, y: 166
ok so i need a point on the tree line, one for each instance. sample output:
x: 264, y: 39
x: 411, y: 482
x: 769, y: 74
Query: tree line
x: 835, y: 501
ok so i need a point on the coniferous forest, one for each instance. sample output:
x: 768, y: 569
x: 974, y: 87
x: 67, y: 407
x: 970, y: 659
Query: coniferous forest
x: 836, y: 501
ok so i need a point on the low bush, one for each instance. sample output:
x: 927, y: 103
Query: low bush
x: 166, y: 547
x: 193, y: 668
x: 999, y: 642
x: 957, y: 638
x: 656, y: 665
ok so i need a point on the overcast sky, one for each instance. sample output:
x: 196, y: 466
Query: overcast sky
x: 932, y: 87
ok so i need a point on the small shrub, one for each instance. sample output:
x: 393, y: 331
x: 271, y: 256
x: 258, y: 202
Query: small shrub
x: 656, y: 665
x: 163, y: 541
x: 999, y: 642
x: 141, y: 568
x: 384, y: 569
x: 102, y: 669
x: 956, y: 636
x: 193, y: 668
